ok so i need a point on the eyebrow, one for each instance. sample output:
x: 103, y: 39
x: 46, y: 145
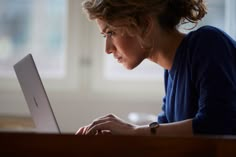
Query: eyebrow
x: 104, y: 29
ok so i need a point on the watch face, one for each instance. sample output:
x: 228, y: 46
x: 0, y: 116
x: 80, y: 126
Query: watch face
x: 154, y: 124
x: 153, y: 127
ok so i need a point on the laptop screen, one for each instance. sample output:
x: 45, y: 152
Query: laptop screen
x: 35, y: 95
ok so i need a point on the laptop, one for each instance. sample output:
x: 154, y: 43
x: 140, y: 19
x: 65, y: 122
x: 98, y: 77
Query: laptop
x: 36, y: 96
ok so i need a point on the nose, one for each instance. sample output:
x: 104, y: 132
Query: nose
x: 110, y: 48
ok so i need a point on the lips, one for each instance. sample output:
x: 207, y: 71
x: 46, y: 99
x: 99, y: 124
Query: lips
x: 116, y: 56
x: 119, y: 59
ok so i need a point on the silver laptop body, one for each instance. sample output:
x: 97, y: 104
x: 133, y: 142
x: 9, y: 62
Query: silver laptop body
x: 35, y: 96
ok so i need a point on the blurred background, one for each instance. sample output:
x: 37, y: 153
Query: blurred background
x: 81, y: 81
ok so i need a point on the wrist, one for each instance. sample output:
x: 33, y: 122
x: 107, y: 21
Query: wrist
x: 142, y: 130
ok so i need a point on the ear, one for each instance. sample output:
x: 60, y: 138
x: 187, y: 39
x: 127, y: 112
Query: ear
x: 147, y: 25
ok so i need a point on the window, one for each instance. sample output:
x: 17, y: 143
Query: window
x: 37, y: 27
x: 41, y: 28
x: 230, y: 17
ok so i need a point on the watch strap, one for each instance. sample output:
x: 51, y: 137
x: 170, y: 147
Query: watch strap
x: 153, y: 127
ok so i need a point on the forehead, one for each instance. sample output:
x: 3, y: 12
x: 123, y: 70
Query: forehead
x: 116, y: 26
x: 102, y: 25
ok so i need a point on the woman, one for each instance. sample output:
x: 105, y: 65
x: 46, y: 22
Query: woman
x: 200, y: 74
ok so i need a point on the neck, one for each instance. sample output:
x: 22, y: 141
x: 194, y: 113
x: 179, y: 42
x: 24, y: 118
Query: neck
x: 165, y: 46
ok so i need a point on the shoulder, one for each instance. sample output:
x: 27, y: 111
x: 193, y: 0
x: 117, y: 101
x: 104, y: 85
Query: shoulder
x: 210, y: 35
x: 209, y: 40
x: 209, y: 46
x: 209, y: 29
x: 207, y: 34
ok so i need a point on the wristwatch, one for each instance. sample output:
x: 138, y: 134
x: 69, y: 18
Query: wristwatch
x: 153, y: 127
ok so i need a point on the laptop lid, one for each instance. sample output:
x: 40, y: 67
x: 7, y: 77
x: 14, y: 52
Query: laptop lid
x: 35, y: 95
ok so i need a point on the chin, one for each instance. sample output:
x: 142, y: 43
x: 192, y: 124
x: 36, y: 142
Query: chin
x: 130, y: 66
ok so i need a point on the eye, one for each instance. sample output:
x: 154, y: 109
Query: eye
x: 108, y: 34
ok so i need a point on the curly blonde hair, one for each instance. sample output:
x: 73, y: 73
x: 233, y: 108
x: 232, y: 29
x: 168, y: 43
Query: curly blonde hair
x: 169, y: 13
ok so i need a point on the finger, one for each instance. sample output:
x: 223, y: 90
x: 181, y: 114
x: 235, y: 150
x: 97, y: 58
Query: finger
x: 80, y: 131
x: 85, y: 130
x: 106, y: 132
x: 103, y: 132
x: 99, y: 121
x: 107, y: 125
x: 111, y: 116
x: 99, y: 132
x: 106, y: 116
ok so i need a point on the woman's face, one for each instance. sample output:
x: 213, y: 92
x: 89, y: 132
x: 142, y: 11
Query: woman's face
x: 125, y: 48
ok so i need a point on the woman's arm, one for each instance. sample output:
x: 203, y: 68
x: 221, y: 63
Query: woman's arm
x: 113, y: 125
x: 169, y: 129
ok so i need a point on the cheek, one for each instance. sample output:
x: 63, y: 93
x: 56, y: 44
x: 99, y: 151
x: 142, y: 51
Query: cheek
x: 130, y: 45
x: 133, y: 57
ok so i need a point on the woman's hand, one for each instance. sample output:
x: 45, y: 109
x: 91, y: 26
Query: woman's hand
x: 109, y: 124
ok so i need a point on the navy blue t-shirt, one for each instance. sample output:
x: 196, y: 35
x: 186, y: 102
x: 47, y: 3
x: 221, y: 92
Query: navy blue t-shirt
x: 202, y: 83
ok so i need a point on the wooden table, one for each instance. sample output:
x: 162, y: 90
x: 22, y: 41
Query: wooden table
x: 68, y: 145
